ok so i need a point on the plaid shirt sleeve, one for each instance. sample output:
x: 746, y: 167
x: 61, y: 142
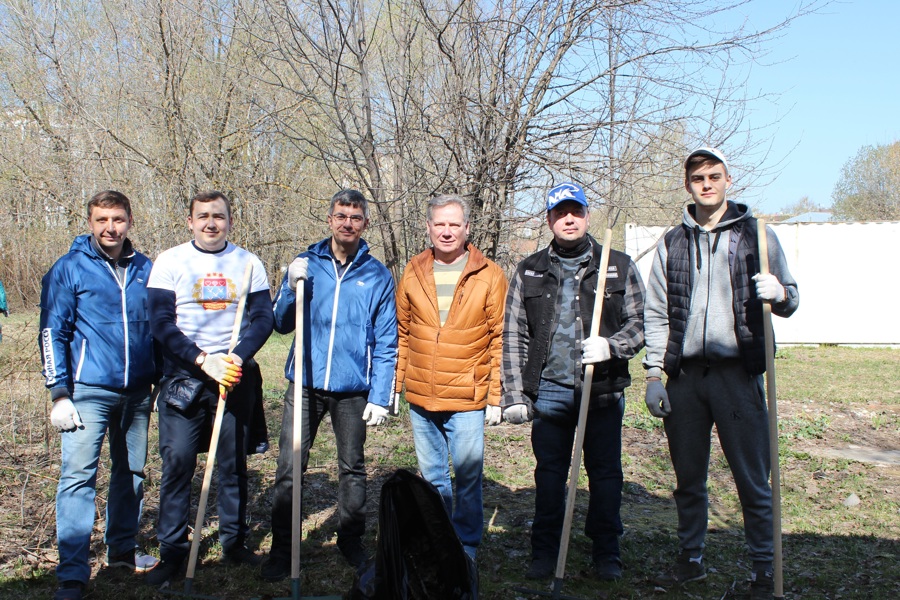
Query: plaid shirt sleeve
x: 629, y: 340
x: 515, y: 345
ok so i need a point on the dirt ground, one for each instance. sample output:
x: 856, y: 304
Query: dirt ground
x: 29, y: 472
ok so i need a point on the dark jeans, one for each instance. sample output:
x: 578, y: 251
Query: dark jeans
x: 552, y: 438
x: 346, y: 411
x: 185, y: 433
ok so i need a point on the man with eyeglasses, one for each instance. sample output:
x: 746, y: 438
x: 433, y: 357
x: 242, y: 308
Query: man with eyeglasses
x: 349, y: 354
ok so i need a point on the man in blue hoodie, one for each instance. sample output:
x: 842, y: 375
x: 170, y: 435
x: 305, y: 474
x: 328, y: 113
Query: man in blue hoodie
x: 349, y: 355
x: 703, y: 327
x: 98, y: 361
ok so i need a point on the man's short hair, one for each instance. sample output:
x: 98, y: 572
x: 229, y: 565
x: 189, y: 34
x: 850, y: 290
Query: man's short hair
x: 109, y: 199
x: 210, y: 196
x: 352, y: 198
x: 702, y: 156
x: 445, y: 199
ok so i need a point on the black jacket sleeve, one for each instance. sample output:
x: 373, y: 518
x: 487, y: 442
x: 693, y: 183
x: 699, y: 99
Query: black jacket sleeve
x: 259, y: 314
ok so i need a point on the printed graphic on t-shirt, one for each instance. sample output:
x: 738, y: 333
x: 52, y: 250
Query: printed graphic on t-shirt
x: 214, y: 291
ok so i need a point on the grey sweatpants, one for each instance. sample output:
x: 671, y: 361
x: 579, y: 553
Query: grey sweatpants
x: 735, y: 401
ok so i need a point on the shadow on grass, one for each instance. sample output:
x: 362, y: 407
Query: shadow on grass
x: 816, y: 566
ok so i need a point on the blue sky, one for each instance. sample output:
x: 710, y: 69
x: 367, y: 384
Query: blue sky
x: 837, y: 72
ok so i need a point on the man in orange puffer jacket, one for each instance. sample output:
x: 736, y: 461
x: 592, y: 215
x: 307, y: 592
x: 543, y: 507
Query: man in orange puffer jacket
x: 450, y: 304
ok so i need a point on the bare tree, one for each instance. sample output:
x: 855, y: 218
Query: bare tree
x: 869, y: 186
x: 280, y: 103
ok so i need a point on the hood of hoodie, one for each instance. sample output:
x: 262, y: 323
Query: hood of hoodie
x: 733, y: 214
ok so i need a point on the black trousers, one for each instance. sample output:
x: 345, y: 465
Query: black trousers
x: 183, y: 434
x: 346, y: 411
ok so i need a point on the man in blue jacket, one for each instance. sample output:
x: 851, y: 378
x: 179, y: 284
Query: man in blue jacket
x: 349, y: 355
x: 98, y: 362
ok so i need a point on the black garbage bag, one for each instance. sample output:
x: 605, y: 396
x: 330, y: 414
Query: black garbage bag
x: 418, y: 555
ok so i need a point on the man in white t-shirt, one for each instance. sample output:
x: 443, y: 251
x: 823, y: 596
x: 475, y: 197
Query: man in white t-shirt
x: 194, y: 290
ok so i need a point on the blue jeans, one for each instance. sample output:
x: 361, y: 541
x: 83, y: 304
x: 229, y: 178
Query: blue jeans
x: 125, y: 415
x: 552, y: 439
x: 346, y: 411
x: 438, y: 437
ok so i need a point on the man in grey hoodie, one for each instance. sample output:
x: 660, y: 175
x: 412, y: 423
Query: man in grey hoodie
x: 703, y: 325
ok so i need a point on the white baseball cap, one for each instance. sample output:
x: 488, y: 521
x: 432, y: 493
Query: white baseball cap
x: 707, y: 151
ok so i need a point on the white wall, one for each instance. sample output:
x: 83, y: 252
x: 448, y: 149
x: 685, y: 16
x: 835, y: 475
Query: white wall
x: 848, y: 275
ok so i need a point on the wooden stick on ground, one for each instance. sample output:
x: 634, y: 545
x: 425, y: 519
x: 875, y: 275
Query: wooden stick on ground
x: 297, y: 438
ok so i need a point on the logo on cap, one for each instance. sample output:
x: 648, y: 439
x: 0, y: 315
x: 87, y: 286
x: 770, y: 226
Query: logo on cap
x: 563, y: 192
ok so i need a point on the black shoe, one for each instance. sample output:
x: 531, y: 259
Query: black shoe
x: 166, y: 572
x: 276, y: 568
x: 608, y: 568
x: 69, y: 590
x: 687, y: 570
x: 541, y: 568
x: 241, y: 555
x: 762, y: 585
x: 354, y: 552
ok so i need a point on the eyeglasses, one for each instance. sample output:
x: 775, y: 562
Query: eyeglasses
x: 340, y: 218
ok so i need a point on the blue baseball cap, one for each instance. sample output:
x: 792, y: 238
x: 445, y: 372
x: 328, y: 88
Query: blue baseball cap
x: 563, y: 192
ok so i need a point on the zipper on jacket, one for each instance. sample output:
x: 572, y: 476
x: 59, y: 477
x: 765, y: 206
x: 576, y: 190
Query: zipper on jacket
x: 437, y: 341
x: 709, y: 281
x: 121, y: 285
x: 334, y: 311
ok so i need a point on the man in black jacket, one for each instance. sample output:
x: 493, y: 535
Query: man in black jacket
x: 704, y: 326
x: 549, y: 309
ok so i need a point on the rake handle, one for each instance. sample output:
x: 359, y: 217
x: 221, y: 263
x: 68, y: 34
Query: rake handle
x: 582, y: 418
x: 214, y: 439
x: 778, y: 564
x: 297, y: 473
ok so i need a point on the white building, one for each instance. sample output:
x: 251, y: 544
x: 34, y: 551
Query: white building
x: 847, y: 274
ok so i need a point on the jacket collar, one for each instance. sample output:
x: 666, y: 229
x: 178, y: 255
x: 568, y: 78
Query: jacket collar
x: 423, y: 262
x: 544, y: 257
x: 85, y: 243
x: 322, y: 248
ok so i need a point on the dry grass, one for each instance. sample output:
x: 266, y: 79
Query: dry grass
x: 829, y: 398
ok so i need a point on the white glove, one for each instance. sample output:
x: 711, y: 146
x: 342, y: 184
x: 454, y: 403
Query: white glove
x: 516, y: 414
x: 375, y: 415
x: 657, y: 399
x: 768, y: 288
x: 492, y: 415
x: 297, y: 270
x: 595, y: 350
x: 64, y: 417
x: 223, y: 369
